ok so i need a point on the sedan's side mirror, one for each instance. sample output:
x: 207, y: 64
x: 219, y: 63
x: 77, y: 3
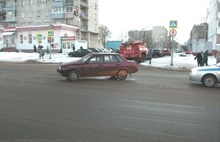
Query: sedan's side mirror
x: 87, y: 62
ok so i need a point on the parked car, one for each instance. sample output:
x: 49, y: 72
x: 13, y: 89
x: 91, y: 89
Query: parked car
x: 79, y: 53
x: 208, y: 75
x: 157, y: 53
x: 98, y: 64
x: 166, y: 52
x: 94, y: 49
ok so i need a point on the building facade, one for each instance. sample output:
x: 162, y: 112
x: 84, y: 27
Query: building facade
x: 160, y: 37
x: 75, y: 20
x: 199, y: 39
x: 214, y: 24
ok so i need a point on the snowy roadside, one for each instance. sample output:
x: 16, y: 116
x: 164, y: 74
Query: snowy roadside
x: 180, y: 62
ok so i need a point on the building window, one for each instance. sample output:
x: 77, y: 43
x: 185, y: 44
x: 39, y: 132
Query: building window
x: 22, y: 14
x: 22, y: 3
x: 21, y: 39
x: 22, y: 23
x: 30, y: 2
x: 95, y: 16
x: 38, y: 2
x: 38, y: 13
x: 69, y: 9
x: 47, y: 22
x: 47, y: 12
x: 218, y: 7
x: 95, y: 6
x: 38, y: 22
x: 69, y: 21
x: 29, y: 38
x: 30, y: 14
x: 57, y: 10
x: 10, y: 14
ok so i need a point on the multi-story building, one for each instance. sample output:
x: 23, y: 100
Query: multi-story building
x: 198, y: 38
x: 199, y: 32
x: 70, y: 20
x: 214, y: 24
x: 160, y: 37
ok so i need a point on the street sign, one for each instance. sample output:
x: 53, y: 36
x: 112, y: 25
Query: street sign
x: 50, y: 33
x: 173, y: 32
x: 173, y: 24
x: 39, y: 36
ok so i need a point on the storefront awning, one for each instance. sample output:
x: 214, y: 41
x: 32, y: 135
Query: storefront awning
x: 7, y: 33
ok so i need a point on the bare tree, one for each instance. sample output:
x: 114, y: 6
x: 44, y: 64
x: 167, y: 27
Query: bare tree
x: 104, y: 34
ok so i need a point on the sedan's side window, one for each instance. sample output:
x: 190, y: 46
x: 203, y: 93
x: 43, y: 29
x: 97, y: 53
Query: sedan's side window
x: 96, y: 59
x: 110, y: 59
x: 120, y: 59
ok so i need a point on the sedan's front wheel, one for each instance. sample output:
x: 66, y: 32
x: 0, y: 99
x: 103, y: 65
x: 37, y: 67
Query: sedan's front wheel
x: 209, y: 81
x: 73, y: 75
x: 122, y: 74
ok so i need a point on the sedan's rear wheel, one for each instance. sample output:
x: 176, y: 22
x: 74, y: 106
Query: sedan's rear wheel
x: 209, y: 81
x: 122, y: 74
x: 73, y: 75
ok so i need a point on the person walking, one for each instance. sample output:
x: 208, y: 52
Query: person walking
x: 35, y: 48
x: 199, y: 59
x: 205, y: 57
x: 40, y: 51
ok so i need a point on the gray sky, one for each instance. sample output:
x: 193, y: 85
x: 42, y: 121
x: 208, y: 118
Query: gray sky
x: 121, y: 16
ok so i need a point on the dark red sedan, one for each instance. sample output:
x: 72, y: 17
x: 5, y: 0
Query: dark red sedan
x: 98, y: 64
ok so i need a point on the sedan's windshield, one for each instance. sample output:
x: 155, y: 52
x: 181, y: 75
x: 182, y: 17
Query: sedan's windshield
x: 86, y: 57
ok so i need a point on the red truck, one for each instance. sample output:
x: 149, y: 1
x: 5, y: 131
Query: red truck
x: 136, y: 50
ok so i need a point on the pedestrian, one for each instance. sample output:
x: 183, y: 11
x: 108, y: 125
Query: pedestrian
x: 149, y: 55
x: 40, y: 51
x: 205, y: 57
x: 35, y: 48
x: 73, y: 47
x: 199, y: 59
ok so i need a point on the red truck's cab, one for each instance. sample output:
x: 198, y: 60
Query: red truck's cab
x: 136, y: 50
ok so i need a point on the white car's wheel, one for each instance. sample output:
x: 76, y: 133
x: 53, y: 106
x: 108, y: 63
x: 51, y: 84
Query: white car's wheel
x: 73, y: 75
x: 122, y: 74
x: 209, y: 81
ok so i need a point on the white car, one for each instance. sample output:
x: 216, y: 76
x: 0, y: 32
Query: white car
x: 208, y: 75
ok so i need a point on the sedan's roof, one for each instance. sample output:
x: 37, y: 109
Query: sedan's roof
x: 103, y: 53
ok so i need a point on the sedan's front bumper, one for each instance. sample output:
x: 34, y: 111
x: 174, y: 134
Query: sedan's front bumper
x: 195, y: 77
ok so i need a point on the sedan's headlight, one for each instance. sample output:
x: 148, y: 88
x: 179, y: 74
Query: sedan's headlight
x: 59, y: 68
x: 194, y: 71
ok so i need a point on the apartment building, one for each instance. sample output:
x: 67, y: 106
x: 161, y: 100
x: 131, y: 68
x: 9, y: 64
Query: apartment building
x: 24, y: 22
x: 160, y: 37
x: 199, y: 39
x: 214, y: 24
x: 199, y: 32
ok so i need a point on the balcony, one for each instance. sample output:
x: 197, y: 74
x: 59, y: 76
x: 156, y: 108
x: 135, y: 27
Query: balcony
x: 11, y: 19
x: 83, y: 17
x: 10, y: 8
x: 69, y: 15
x: 58, y: 15
x: 84, y: 5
